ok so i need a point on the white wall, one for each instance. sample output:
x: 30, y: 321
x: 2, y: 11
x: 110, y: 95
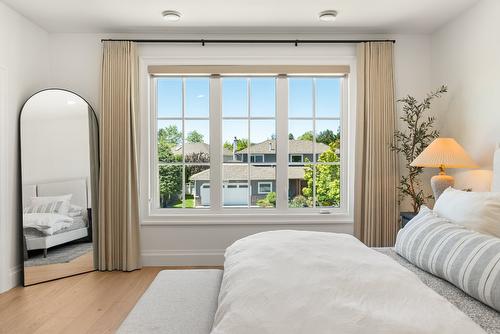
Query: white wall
x: 75, y: 65
x: 466, y: 56
x: 413, y: 77
x: 23, y: 70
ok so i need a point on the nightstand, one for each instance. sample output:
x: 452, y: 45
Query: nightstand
x: 406, y: 217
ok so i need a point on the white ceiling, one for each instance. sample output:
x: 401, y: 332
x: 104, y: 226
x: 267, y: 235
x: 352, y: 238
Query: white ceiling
x: 115, y: 16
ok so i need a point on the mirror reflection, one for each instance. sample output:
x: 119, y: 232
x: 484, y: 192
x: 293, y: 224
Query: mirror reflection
x: 58, y: 149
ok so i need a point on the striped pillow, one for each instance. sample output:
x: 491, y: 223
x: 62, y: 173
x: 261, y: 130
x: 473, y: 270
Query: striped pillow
x: 467, y: 259
x: 52, y: 207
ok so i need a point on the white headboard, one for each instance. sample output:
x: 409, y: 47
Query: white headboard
x: 29, y: 190
x: 496, y: 171
x: 77, y: 187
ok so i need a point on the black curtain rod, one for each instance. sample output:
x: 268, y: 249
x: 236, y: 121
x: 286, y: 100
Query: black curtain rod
x: 296, y: 42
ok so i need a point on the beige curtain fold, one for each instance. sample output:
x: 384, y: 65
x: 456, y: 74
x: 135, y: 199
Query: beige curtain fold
x: 376, y: 217
x: 118, y: 238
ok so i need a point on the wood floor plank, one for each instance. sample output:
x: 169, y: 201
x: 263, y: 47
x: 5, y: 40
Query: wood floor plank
x: 95, y: 302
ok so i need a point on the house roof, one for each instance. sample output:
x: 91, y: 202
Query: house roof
x: 238, y: 172
x: 190, y: 148
x: 294, y: 147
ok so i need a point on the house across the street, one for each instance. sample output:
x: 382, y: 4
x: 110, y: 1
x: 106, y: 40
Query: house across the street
x: 261, y: 172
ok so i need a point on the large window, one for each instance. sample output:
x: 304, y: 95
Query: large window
x: 277, y: 142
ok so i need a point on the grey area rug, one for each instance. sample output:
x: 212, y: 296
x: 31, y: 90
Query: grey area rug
x: 59, y: 254
x: 483, y: 315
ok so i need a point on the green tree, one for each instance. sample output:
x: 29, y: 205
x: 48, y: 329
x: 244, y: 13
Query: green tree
x: 327, y: 179
x: 171, y: 135
x: 290, y: 136
x: 170, y: 184
x: 327, y: 137
x: 306, y: 136
x: 269, y: 201
x: 241, y: 144
x: 170, y: 177
x: 194, y: 137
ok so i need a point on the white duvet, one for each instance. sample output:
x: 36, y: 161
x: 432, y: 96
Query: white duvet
x: 287, y: 282
x: 47, y: 223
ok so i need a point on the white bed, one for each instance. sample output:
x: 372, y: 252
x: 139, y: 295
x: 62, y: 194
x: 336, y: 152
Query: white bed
x: 286, y: 282
x: 79, y: 190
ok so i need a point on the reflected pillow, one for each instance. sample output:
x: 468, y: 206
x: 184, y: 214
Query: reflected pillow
x: 76, y: 211
x: 63, y: 210
x: 477, y: 211
x: 52, y: 207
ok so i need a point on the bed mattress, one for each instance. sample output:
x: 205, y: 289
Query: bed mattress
x: 483, y: 315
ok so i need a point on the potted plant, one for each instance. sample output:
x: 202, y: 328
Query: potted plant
x: 419, y: 132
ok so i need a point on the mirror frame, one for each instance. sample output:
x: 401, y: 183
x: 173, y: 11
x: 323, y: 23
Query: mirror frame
x: 20, y: 184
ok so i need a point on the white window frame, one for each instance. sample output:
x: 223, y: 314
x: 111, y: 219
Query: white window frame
x: 259, y: 184
x: 222, y: 216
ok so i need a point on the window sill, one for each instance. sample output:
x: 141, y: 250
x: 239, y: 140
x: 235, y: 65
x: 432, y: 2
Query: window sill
x: 236, y: 218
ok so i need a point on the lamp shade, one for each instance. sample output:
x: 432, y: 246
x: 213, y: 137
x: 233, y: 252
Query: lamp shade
x: 446, y: 153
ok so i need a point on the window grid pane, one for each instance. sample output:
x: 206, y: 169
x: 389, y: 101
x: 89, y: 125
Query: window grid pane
x: 318, y: 134
x: 182, y: 140
x: 249, y: 135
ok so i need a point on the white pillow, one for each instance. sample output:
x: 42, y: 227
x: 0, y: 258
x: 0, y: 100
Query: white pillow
x: 478, y: 211
x: 63, y: 210
x: 75, y: 211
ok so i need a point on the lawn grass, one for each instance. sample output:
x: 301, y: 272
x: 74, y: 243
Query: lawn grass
x: 189, y: 202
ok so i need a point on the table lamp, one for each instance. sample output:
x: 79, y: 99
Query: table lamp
x: 443, y: 153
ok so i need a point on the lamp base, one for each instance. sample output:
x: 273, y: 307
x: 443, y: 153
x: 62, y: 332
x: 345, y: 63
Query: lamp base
x: 440, y: 183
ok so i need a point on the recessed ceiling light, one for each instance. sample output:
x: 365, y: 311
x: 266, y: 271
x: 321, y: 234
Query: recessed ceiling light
x: 328, y: 15
x: 171, y: 15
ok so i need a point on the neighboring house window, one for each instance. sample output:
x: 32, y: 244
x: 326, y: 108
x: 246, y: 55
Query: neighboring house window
x: 251, y: 119
x: 257, y: 158
x: 265, y: 187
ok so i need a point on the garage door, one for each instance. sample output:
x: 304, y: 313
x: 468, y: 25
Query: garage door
x: 233, y: 194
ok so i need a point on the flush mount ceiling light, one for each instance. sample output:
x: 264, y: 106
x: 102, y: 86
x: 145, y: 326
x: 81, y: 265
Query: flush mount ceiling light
x: 171, y: 15
x: 328, y: 15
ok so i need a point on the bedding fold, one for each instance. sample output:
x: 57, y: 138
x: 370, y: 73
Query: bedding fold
x: 46, y: 223
x: 286, y: 282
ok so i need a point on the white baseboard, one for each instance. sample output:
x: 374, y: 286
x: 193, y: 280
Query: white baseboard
x: 196, y: 257
x: 13, y: 279
x: 15, y: 275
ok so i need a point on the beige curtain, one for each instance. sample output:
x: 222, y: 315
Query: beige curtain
x: 376, y: 217
x: 118, y: 238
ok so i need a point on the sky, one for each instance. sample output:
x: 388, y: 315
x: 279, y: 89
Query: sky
x: 261, y: 103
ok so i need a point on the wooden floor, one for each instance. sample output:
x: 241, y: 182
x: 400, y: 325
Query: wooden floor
x: 95, y: 302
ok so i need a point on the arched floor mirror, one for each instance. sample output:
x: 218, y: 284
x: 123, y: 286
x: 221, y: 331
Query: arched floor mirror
x: 59, y: 171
